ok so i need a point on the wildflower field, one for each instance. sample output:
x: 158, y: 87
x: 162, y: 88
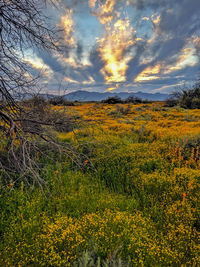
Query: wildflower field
x: 135, y: 200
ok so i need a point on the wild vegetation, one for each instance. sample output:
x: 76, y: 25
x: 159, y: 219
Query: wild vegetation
x: 118, y: 100
x: 186, y: 98
x: 91, y: 184
x: 26, y: 127
x: 133, y: 201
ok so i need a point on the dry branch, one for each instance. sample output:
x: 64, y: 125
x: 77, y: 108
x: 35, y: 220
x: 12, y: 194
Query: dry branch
x: 26, y: 127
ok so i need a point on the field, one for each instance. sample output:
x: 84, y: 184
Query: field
x: 135, y: 201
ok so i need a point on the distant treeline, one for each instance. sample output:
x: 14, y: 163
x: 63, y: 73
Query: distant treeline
x: 61, y: 101
x: 118, y: 100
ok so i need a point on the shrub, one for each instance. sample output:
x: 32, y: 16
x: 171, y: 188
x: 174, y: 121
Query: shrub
x: 171, y: 101
x: 113, y: 100
x: 120, y: 110
x: 186, y: 98
x: 60, y: 101
x: 134, y: 100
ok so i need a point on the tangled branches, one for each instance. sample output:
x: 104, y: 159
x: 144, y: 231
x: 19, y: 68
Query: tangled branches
x: 26, y: 127
x: 30, y: 134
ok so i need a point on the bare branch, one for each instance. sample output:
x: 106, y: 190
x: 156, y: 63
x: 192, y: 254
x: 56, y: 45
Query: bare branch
x: 27, y: 126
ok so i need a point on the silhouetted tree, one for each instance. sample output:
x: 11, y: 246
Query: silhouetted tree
x: 190, y: 98
x: 113, y: 100
x: 134, y: 100
x: 186, y: 98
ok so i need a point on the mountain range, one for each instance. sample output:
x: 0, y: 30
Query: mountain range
x: 85, y: 96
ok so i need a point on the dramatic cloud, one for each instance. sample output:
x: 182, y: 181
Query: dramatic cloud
x: 67, y: 24
x: 112, y: 49
x: 146, y: 45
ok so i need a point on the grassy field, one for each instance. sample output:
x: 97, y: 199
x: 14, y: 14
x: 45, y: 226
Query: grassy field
x: 134, y: 202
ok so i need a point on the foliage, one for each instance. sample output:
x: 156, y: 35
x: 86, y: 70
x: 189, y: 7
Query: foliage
x: 113, y: 100
x: 133, y: 100
x: 118, y: 100
x: 138, y: 205
x: 186, y: 98
x: 60, y: 101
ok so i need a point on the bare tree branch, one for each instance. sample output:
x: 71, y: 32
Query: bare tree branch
x: 26, y: 126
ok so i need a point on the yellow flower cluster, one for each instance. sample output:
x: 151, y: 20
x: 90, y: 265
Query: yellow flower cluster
x: 112, y: 233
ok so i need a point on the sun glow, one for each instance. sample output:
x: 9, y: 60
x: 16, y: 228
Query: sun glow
x: 148, y: 74
x: 113, y: 49
x: 113, y: 88
x: 114, y: 45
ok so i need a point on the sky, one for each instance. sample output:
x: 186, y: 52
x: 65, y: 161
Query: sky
x: 121, y: 46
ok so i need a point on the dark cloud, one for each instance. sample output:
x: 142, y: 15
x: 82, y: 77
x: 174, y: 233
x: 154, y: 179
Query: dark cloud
x: 79, y: 51
x: 51, y: 61
x: 165, y: 50
x: 182, y: 20
x: 96, y: 65
x: 134, y: 66
x: 178, y: 24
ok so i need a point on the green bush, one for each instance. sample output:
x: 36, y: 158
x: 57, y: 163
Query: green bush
x: 186, y: 98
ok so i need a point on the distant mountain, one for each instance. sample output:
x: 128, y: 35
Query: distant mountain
x: 85, y: 96
x: 96, y: 96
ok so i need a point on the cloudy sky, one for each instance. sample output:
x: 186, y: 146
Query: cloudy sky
x: 122, y: 45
